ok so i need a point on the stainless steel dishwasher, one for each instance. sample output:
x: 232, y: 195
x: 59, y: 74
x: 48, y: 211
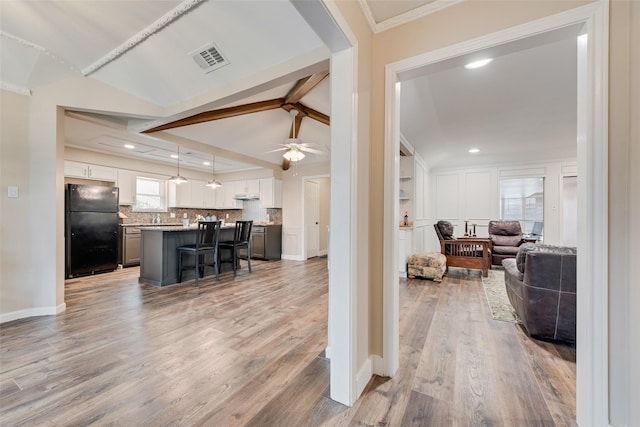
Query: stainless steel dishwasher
x: 130, y: 246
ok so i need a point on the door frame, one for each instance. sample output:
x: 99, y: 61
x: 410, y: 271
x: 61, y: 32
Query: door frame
x: 592, y: 378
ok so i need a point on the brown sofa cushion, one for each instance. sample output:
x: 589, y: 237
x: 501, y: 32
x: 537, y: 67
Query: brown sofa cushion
x: 499, y: 240
x: 446, y: 229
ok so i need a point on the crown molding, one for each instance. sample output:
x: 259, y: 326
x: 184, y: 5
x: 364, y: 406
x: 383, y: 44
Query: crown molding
x: 419, y: 12
x: 15, y: 89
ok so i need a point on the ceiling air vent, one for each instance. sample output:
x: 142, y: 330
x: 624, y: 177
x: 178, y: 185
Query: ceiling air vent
x: 209, y: 58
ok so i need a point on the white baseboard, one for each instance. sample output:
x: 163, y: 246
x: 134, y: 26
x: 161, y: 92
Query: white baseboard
x: 363, y: 377
x: 294, y: 257
x: 323, y: 253
x: 378, y: 366
x: 32, y: 312
x: 327, y: 352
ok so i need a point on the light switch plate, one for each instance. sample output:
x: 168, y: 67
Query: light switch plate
x: 172, y: 214
x: 12, y: 191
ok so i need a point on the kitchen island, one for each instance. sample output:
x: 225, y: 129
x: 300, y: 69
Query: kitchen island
x: 158, y: 255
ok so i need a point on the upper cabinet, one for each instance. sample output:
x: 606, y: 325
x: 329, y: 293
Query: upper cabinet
x: 190, y: 194
x: 250, y: 186
x: 87, y: 171
x: 270, y: 193
x: 127, y: 186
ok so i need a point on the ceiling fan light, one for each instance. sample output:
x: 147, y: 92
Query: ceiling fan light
x: 293, y: 155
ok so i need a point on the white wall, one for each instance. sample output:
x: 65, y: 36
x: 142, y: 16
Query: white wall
x: 473, y: 194
x: 324, y: 190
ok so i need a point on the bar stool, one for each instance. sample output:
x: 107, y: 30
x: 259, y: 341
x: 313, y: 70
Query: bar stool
x: 207, y: 237
x: 241, y: 239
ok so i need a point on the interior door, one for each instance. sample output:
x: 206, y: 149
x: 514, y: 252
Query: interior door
x: 311, y: 218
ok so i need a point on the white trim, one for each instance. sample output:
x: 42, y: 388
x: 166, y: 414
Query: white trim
x: 156, y: 26
x: 20, y: 90
x: 293, y: 257
x: 592, y: 352
x: 32, y: 312
x: 364, y: 375
x: 403, y: 18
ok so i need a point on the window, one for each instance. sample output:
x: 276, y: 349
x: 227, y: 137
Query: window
x: 150, y: 195
x: 522, y: 199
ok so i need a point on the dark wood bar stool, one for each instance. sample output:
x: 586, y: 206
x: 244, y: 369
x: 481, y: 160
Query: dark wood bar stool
x: 241, y: 239
x: 206, y: 243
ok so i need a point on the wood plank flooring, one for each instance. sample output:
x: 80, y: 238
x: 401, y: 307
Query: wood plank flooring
x: 249, y: 351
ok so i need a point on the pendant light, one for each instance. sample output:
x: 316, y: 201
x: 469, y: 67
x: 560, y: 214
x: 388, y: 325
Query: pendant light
x: 177, y: 178
x: 214, y: 183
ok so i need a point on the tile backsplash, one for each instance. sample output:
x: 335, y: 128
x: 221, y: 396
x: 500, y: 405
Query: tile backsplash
x: 250, y: 213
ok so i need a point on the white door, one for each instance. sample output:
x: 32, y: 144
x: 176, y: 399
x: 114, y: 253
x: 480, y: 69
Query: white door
x: 311, y: 218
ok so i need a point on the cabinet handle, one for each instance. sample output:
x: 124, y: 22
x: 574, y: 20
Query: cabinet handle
x: 89, y: 169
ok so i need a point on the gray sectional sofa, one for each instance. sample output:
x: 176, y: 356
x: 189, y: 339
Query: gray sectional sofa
x: 541, y: 285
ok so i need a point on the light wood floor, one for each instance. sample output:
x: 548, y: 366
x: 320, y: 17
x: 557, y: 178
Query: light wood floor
x: 249, y: 351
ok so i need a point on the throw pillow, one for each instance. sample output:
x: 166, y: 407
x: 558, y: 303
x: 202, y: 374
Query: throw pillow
x: 522, y: 255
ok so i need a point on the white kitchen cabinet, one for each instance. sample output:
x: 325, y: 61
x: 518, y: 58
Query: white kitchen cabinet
x: 88, y: 171
x: 270, y: 193
x: 127, y: 186
x: 179, y: 195
x: 197, y: 193
x: 249, y: 186
x: 210, y: 197
x: 190, y: 194
x: 226, y: 196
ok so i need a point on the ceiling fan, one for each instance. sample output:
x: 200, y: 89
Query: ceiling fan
x: 290, y: 103
x: 293, y: 147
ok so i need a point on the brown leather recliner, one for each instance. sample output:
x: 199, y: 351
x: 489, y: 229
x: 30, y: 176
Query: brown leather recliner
x: 506, y: 238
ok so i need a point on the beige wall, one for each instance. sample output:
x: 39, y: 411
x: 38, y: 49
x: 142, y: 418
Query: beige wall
x: 14, y: 171
x: 624, y: 209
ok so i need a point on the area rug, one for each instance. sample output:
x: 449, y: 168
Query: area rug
x: 497, y: 299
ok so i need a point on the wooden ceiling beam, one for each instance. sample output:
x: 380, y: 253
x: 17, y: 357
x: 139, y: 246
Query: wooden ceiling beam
x: 222, y: 113
x: 309, y: 112
x: 304, y: 86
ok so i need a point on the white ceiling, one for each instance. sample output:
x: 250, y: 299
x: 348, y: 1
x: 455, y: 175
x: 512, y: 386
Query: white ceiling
x: 521, y: 106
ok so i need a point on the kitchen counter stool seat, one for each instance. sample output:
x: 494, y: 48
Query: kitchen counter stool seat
x: 206, y: 243
x: 241, y: 239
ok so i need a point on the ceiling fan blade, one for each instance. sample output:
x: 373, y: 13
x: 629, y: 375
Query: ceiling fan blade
x: 277, y: 149
x: 304, y: 86
x: 311, y: 150
x: 286, y: 164
x: 221, y: 113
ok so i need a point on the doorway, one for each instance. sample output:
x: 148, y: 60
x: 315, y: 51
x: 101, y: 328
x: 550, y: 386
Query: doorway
x: 592, y: 300
x: 311, y: 218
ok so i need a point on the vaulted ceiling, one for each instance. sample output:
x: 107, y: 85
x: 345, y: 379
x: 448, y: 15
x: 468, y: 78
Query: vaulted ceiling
x: 147, y: 48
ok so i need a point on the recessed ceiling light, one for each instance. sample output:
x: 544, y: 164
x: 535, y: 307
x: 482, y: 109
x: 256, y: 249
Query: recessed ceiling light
x: 174, y: 156
x: 129, y: 146
x: 474, y: 150
x: 478, y: 64
x: 206, y: 163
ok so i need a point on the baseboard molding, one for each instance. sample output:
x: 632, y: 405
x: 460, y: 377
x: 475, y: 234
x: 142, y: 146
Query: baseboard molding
x: 327, y: 352
x: 32, y: 312
x: 363, y: 377
x: 378, y: 366
x: 294, y: 257
x: 323, y: 253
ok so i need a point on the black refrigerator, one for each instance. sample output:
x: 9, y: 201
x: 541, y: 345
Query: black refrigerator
x: 91, y: 229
